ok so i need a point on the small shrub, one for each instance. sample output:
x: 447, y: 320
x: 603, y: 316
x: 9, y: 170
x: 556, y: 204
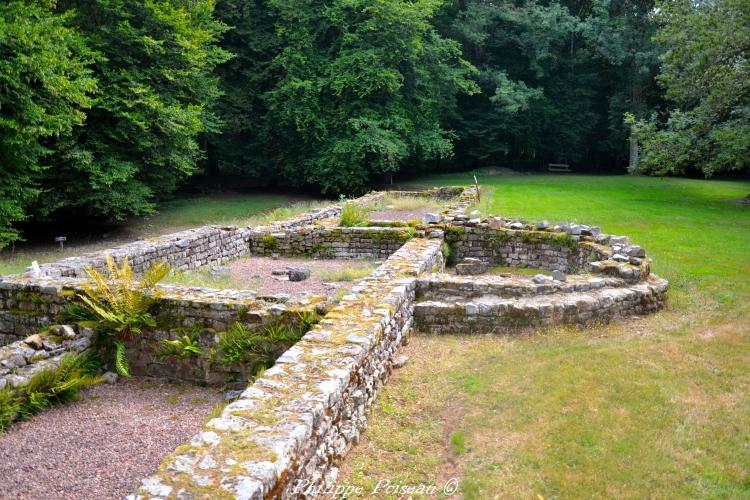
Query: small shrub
x: 447, y: 251
x: 458, y: 442
x: 269, y: 242
x: 408, y: 233
x: 10, y: 407
x: 453, y: 233
x: 353, y: 215
x: 565, y: 241
x: 74, y: 312
x: 500, y: 238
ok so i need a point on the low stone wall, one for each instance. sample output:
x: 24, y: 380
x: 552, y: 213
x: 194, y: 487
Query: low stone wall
x: 184, y: 250
x: 516, y: 244
x: 472, y: 314
x: 329, y: 242
x: 20, y: 360
x: 31, y: 305
x: 448, y: 286
x: 286, y: 433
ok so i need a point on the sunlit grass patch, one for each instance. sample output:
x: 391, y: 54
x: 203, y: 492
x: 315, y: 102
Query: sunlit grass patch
x: 204, y: 278
x: 647, y: 407
x: 285, y: 212
x: 410, y: 202
x: 521, y: 271
x: 350, y: 273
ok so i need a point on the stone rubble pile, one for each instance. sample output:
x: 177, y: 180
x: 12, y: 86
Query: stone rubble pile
x: 20, y: 360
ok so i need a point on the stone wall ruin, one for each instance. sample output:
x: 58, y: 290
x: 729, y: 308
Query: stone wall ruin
x: 294, y: 425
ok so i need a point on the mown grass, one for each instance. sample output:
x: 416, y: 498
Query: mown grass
x: 176, y: 215
x: 651, y: 407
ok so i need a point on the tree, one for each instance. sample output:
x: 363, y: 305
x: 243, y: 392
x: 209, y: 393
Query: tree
x: 154, y: 66
x: 45, y: 86
x: 706, y: 75
x: 344, y: 91
x: 242, y: 145
x: 556, y: 77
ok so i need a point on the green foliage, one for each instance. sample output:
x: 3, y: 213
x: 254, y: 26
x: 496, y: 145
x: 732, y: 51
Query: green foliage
x: 269, y: 242
x: 49, y: 387
x: 453, y: 233
x: 122, y: 304
x: 705, y: 74
x: 153, y: 66
x: 11, y: 404
x: 45, y: 87
x: 565, y: 241
x: 258, y: 349
x: 119, y: 360
x: 500, y: 237
x: 336, y: 94
x: 186, y: 346
x: 555, y: 78
x: 448, y: 253
x: 352, y: 215
x: 74, y: 312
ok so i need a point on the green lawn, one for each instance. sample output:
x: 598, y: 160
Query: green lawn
x: 652, y: 407
x: 176, y: 215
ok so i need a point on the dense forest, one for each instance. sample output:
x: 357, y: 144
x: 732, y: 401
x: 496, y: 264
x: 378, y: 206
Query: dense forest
x: 107, y: 106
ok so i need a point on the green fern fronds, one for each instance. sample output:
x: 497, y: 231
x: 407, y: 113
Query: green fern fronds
x: 121, y: 362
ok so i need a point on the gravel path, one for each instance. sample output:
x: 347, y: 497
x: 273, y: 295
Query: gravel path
x: 256, y: 274
x: 101, y: 446
x: 402, y: 215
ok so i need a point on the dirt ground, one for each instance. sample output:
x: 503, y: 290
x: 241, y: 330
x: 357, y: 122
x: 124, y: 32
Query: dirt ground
x: 257, y: 274
x: 400, y: 215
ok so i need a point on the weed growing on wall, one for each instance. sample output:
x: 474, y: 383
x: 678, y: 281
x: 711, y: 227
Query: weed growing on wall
x: 258, y: 349
x: 353, y: 215
x: 184, y: 347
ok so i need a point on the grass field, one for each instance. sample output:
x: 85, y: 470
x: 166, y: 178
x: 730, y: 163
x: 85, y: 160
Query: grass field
x: 176, y: 215
x: 654, y: 407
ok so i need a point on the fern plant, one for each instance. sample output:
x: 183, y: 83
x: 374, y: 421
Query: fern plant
x: 184, y: 347
x: 122, y: 304
x: 50, y: 387
x: 59, y: 385
x: 259, y: 348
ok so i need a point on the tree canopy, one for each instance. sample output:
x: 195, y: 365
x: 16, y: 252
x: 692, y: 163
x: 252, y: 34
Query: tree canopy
x: 706, y: 75
x: 108, y: 106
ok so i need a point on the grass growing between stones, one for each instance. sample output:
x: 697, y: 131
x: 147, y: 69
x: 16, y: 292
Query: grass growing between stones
x: 352, y: 273
x: 650, y: 407
x: 204, y: 278
x: 522, y: 271
x: 407, y: 202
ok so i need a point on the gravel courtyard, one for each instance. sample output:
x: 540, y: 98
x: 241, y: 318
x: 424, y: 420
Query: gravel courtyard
x: 101, y: 446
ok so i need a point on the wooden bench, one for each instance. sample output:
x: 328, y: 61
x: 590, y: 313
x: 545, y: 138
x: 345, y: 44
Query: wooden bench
x: 559, y: 167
